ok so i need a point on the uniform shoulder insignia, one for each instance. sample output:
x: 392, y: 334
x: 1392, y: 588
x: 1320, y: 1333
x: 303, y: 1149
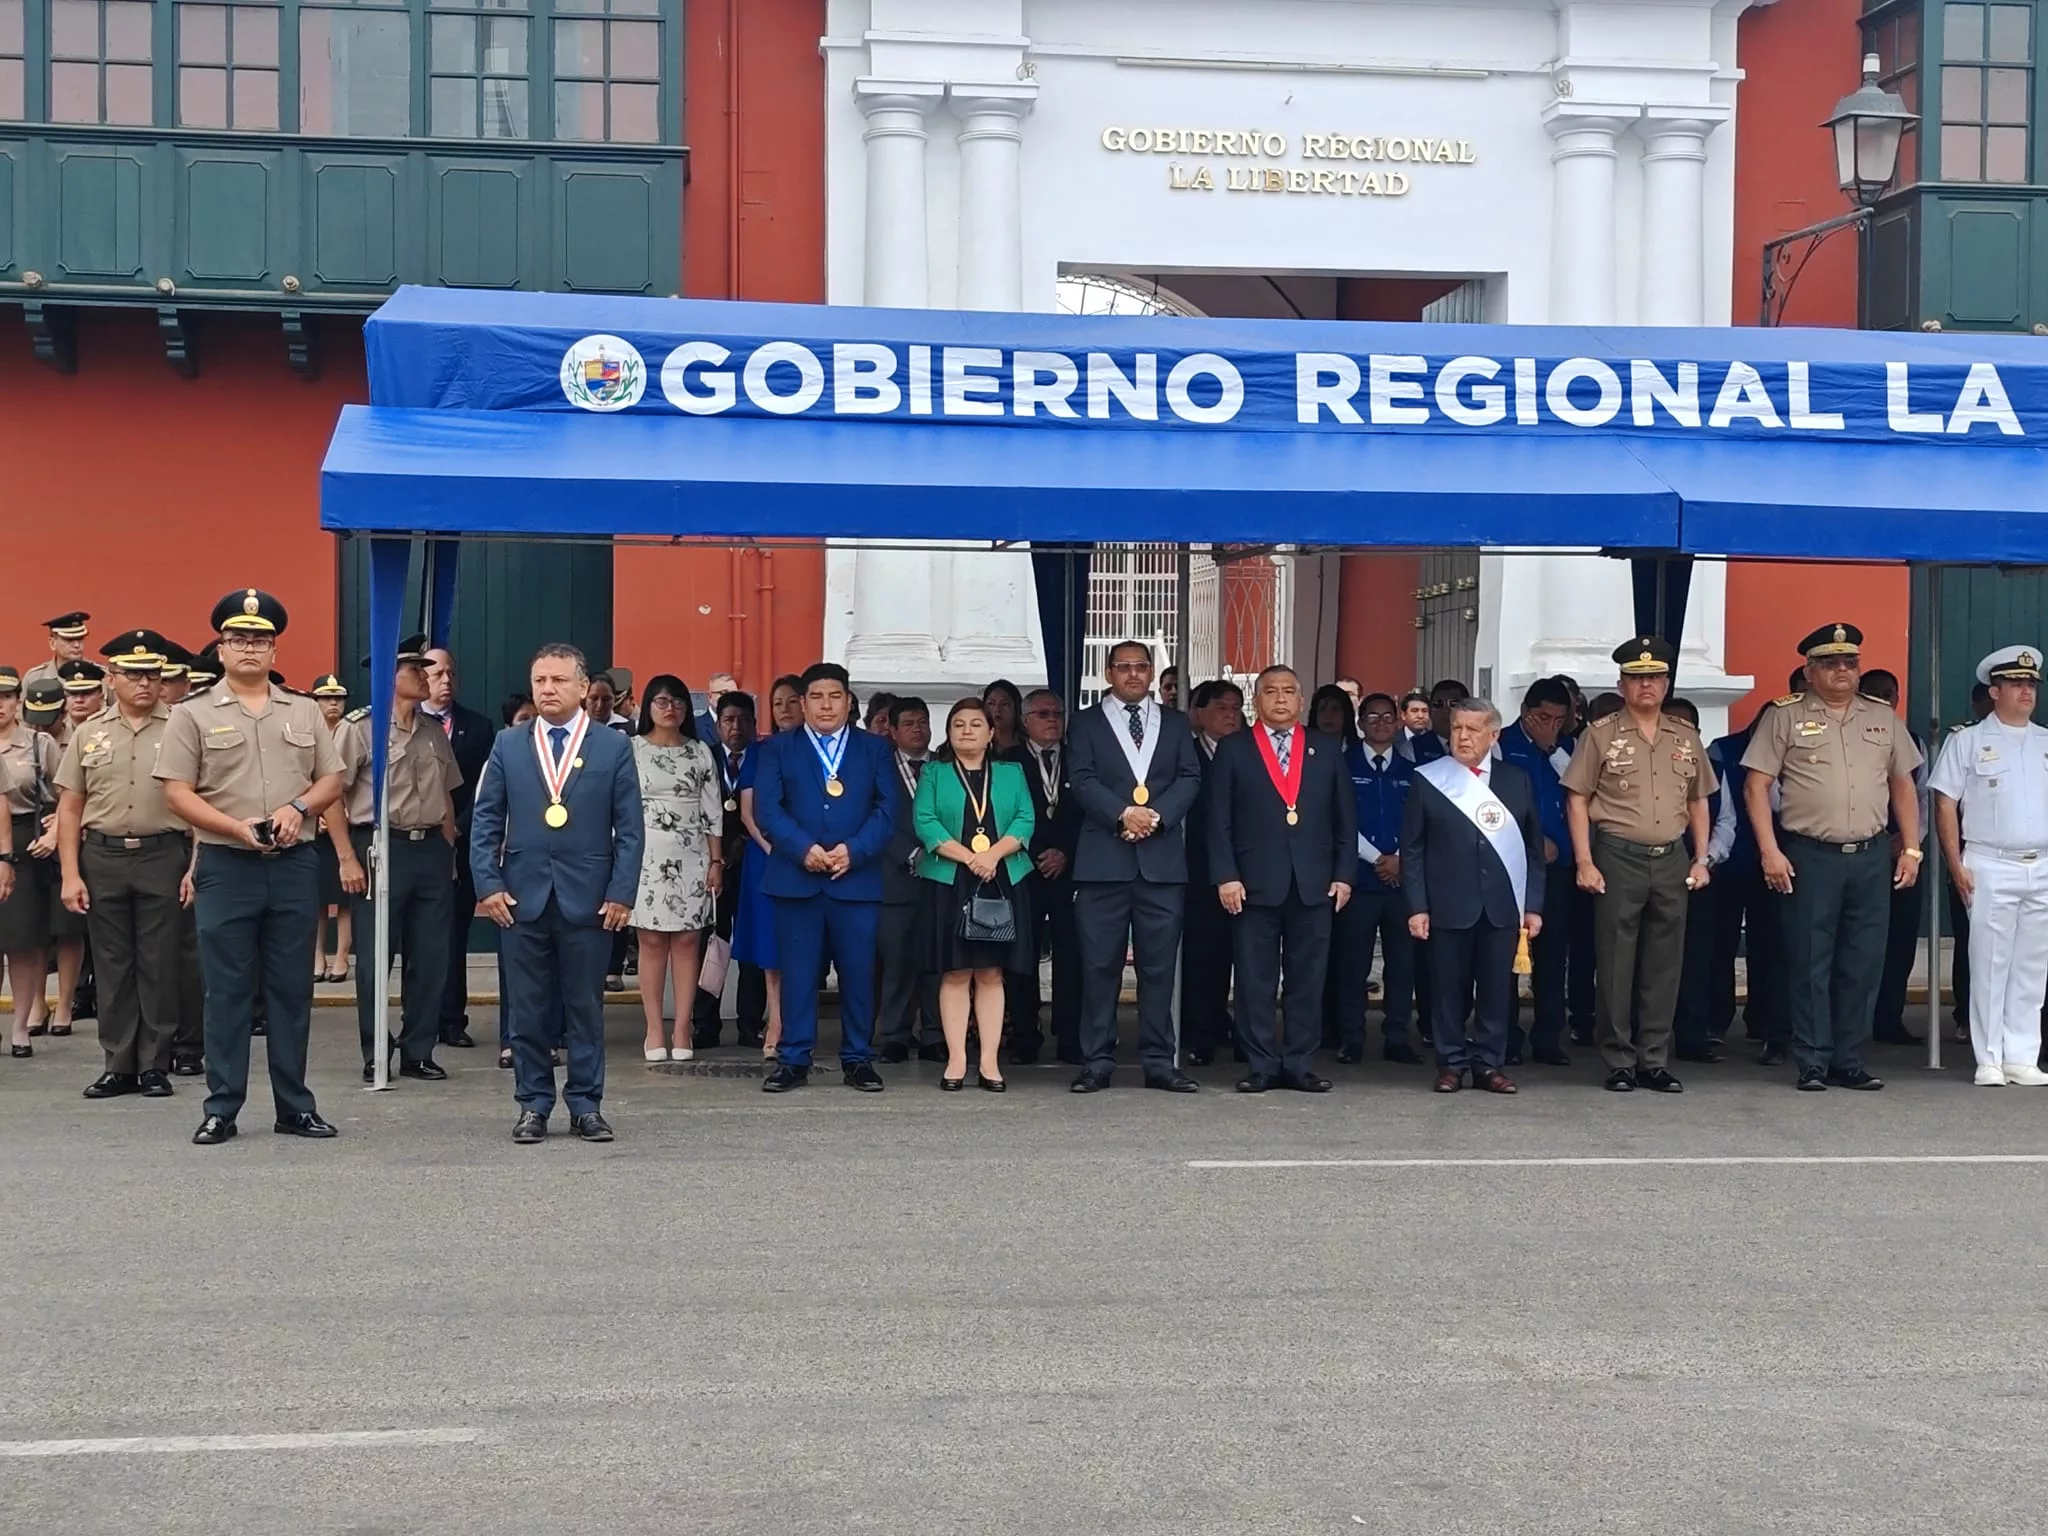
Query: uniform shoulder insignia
x: 1790, y: 698
x: 358, y: 714
x: 1957, y: 730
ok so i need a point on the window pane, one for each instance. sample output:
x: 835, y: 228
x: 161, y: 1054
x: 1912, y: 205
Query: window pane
x: 1909, y: 161
x: 636, y: 113
x: 504, y: 45
x: 579, y: 5
x: 505, y: 103
x: 579, y: 110
x: 13, y: 90
x: 74, y: 93
x: 636, y: 7
x: 255, y: 98
x: 453, y: 106
x: 10, y: 26
x: 1962, y: 95
x: 256, y: 35
x: 2006, y: 100
x: 355, y: 72
x: 579, y: 48
x: 1906, y: 35
x: 75, y: 33
x: 1959, y: 150
x: 636, y: 50
x: 128, y: 94
x: 2005, y: 154
x: 1962, y: 31
x: 454, y: 44
x: 202, y: 34
x: 1908, y: 87
x: 203, y: 98
x: 128, y: 30
x: 2008, y: 34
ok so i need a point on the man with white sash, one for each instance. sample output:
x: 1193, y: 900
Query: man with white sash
x: 1470, y: 835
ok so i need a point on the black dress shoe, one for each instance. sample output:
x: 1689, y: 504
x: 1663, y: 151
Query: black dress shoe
x: 369, y: 1072
x: 1402, y: 1052
x: 1256, y: 1082
x: 1704, y: 1058
x: 425, y: 1071
x: 308, y: 1125
x: 1089, y: 1082
x: 748, y: 1039
x: 784, y: 1078
x: 260, y: 1028
x: 213, y: 1130
x: 1306, y: 1082
x: 1550, y: 1057
x: 931, y: 1053
x: 1513, y: 1058
x: 591, y: 1127
x: 1022, y: 1055
x: 1621, y: 1080
x: 1857, y: 1079
x: 532, y: 1128
x: 1774, y: 1055
x: 1201, y: 1058
x: 1895, y: 1037
x: 156, y: 1085
x: 187, y: 1066
x: 1658, y: 1081
x: 458, y: 1037
x: 863, y: 1076
x: 1813, y: 1080
x: 895, y: 1054
x: 112, y: 1085
x: 1174, y: 1082
x: 1349, y: 1055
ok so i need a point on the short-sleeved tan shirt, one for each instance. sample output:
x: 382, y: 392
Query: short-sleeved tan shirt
x: 112, y: 762
x: 1834, y: 774
x: 21, y: 755
x: 1638, y: 789
x: 422, y: 773
x: 245, y: 765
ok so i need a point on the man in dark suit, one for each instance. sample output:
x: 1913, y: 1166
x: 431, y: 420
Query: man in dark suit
x: 1471, y: 865
x: 470, y: 734
x: 1283, y: 841
x: 908, y: 993
x: 555, y: 852
x: 731, y: 740
x: 1135, y: 772
x: 825, y: 798
x: 1205, y: 1021
x: 1043, y: 755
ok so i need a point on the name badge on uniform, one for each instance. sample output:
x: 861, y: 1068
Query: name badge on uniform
x: 1812, y: 727
x: 1987, y: 753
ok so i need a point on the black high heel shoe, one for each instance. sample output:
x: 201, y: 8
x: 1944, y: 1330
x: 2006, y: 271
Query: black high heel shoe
x: 989, y: 1084
x: 952, y: 1084
x: 19, y: 1051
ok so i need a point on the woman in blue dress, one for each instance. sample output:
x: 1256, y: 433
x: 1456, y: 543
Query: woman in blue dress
x: 753, y: 925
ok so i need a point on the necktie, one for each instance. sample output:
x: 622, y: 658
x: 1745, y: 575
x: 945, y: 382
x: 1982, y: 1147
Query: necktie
x: 1283, y: 748
x: 1379, y: 762
x: 558, y: 737
x: 732, y: 766
x: 1137, y: 727
x: 916, y: 768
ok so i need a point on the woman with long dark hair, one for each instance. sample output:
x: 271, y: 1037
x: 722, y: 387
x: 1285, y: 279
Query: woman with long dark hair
x: 1004, y: 705
x: 1331, y: 712
x: 682, y: 867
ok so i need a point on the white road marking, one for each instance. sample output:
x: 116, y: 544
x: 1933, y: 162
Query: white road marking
x: 1615, y: 1162
x: 166, y: 1445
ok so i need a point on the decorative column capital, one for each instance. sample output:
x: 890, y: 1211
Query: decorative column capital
x: 1679, y: 133
x: 993, y: 111
x: 897, y: 107
x: 1584, y: 128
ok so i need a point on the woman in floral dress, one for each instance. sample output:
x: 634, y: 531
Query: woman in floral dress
x: 682, y: 867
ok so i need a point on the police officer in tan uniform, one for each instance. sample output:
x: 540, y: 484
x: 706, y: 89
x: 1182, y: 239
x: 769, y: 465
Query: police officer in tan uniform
x: 420, y: 780
x: 1844, y: 766
x: 250, y: 768
x: 28, y: 762
x: 124, y: 861
x: 67, y: 643
x: 1638, y: 782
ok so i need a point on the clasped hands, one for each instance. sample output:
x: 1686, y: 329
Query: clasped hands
x: 828, y: 861
x: 1137, y: 823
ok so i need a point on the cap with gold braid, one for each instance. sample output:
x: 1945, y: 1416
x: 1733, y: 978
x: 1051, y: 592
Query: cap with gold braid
x: 68, y: 626
x: 204, y: 666
x: 137, y: 651
x: 2012, y: 664
x: 42, y: 702
x: 249, y: 612
x: 328, y: 686
x: 1645, y: 656
x: 1833, y: 640
x: 10, y: 682
x: 177, y: 660
x: 82, y: 676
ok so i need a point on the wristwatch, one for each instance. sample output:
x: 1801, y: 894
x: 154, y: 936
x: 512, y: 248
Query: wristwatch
x: 10, y: 858
x: 300, y: 807
x: 1915, y: 855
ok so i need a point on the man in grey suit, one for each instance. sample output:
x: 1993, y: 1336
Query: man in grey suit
x: 555, y: 845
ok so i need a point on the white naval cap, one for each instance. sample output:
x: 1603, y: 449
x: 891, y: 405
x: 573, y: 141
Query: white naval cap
x: 2011, y: 664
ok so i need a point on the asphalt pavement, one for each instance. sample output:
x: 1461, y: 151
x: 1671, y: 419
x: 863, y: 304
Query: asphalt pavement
x: 1567, y: 1312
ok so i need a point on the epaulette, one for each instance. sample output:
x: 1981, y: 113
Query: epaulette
x: 1957, y: 730
x: 358, y: 714
x: 1790, y: 698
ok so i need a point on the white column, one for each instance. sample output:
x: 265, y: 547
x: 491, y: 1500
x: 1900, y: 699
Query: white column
x: 991, y: 196
x: 894, y: 275
x: 1582, y: 261
x: 992, y: 628
x: 1674, y: 285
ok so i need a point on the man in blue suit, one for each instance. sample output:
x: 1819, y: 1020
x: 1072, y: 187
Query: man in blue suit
x: 555, y: 844
x: 825, y: 798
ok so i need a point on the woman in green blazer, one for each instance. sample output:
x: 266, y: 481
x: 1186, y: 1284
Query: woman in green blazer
x: 973, y: 815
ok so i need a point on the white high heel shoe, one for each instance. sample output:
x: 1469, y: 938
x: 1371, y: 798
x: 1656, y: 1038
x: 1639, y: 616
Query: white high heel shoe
x: 656, y: 1054
x: 681, y: 1053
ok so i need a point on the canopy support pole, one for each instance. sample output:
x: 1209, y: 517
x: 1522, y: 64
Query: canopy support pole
x: 389, y: 559
x: 1183, y: 628
x: 1936, y: 888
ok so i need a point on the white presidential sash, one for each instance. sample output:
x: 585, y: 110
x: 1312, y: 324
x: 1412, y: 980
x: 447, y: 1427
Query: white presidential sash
x: 1476, y: 800
x: 1118, y: 714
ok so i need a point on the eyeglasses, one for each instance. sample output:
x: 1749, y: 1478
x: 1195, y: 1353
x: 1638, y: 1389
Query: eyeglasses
x: 664, y: 701
x: 246, y: 642
x: 1130, y: 666
x: 1833, y: 663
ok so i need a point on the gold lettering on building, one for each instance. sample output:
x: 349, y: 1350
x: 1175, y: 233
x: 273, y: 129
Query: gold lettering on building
x: 1375, y: 154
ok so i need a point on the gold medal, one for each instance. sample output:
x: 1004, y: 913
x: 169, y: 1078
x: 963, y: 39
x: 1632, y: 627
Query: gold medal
x: 732, y: 805
x: 834, y: 788
x: 1292, y: 816
x: 1140, y: 795
x: 556, y: 815
x: 981, y: 844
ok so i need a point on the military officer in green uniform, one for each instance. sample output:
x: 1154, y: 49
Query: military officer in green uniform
x: 1638, y: 783
x: 420, y: 780
x: 250, y: 768
x: 67, y: 643
x: 124, y: 858
x: 1844, y: 766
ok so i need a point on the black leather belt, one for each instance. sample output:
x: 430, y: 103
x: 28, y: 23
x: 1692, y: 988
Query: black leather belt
x: 134, y: 844
x: 1835, y: 847
x: 1650, y: 850
x: 403, y: 834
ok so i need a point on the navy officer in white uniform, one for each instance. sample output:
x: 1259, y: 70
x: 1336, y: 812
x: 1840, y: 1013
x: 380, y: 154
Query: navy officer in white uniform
x: 1996, y: 774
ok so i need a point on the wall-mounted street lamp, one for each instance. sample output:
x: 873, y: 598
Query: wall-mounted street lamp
x: 1867, y: 124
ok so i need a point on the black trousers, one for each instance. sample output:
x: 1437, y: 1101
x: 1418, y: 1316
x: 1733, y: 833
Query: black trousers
x: 1052, y: 915
x: 1550, y: 961
x: 1749, y: 917
x: 1146, y: 915
x: 752, y: 996
x: 1835, y: 922
x: 1376, y: 916
x: 256, y: 930
x: 461, y: 914
x: 1902, y: 939
x: 905, y: 991
x: 1207, y: 1023
x: 136, y: 928
x: 1581, y: 965
x: 1472, y: 977
x: 1282, y: 946
x: 188, y: 1017
x: 1959, y: 975
x: 1692, y: 1021
x: 419, y: 885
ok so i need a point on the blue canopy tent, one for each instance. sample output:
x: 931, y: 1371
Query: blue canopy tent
x: 528, y: 415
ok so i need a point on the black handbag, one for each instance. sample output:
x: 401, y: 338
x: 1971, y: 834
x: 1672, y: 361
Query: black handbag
x: 989, y: 917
